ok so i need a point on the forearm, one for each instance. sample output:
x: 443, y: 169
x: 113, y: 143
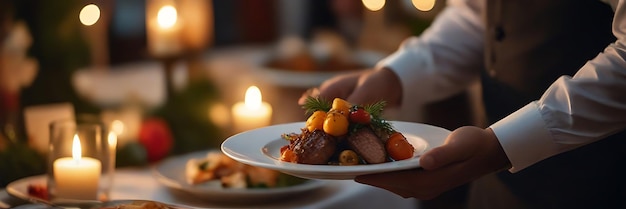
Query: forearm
x: 445, y: 59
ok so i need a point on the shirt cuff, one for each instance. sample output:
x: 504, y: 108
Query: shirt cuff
x: 524, y: 137
x: 404, y: 60
x: 409, y: 65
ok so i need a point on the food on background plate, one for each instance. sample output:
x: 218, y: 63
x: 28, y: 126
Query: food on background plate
x: 139, y: 205
x: 38, y: 190
x: 340, y: 133
x: 327, y: 51
x: 218, y: 169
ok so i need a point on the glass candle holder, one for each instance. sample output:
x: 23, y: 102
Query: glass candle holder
x: 81, y: 161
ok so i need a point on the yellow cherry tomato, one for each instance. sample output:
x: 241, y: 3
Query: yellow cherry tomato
x: 316, y: 121
x: 348, y: 157
x: 336, y: 124
x: 342, y: 106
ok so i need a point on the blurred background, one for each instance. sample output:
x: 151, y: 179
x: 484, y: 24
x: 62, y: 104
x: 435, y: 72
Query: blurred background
x: 164, y: 75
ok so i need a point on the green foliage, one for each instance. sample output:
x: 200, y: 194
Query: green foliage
x: 131, y: 154
x: 18, y: 161
x: 186, y: 114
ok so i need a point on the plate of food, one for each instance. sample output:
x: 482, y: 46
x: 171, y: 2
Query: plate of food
x: 212, y: 176
x: 295, y: 62
x: 339, y: 140
x: 34, y: 190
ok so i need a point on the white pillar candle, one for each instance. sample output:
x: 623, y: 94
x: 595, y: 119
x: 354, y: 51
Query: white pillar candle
x: 76, y: 177
x: 252, y: 113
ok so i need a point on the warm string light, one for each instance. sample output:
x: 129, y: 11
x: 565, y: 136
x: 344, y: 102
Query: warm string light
x: 89, y: 15
x: 423, y: 5
x: 373, y: 5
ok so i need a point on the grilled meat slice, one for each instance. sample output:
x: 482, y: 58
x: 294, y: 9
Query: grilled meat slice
x: 365, y: 143
x: 314, y: 147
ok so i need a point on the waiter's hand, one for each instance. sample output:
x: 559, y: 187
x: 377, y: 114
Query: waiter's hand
x: 362, y: 87
x: 468, y: 153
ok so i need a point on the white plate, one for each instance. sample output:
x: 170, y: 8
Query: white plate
x: 290, y: 78
x: 261, y: 147
x: 19, y: 188
x: 171, y: 173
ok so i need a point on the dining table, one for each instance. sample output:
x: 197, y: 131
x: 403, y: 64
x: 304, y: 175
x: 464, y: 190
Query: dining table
x: 140, y: 183
x: 232, y: 69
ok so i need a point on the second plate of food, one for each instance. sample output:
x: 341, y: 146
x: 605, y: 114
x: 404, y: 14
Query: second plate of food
x: 261, y: 147
x: 208, y: 175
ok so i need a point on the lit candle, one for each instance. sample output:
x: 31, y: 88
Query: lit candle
x: 123, y: 123
x: 162, y: 28
x: 252, y: 113
x: 112, y: 139
x: 77, y: 177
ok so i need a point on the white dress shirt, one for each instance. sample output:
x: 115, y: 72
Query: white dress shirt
x: 572, y: 112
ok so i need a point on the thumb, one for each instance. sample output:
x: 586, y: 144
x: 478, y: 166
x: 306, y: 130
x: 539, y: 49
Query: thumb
x: 439, y: 157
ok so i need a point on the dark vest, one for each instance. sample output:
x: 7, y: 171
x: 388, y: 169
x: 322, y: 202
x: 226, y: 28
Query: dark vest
x: 529, y: 44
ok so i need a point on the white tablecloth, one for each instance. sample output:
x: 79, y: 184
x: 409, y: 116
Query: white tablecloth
x: 140, y: 184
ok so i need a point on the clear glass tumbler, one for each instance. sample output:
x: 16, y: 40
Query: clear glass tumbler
x: 81, y: 161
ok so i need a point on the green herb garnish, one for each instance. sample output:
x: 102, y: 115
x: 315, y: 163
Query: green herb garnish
x: 376, y: 109
x: 313, y: 104
x: 379, y: 125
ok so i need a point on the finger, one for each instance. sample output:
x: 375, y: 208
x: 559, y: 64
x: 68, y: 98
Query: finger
x: 312, y: 92
x: 415, y: 182
x: 388, y: 181
x: 360, y: 96
x: 338, y: 87
x: 442, y: 156
x: 365, y: 91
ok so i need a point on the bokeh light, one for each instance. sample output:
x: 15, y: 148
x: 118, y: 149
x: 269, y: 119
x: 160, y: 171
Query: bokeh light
x: 89, y: 15
x: 167, y: 16
x: 374, y: 5
x: 423, y: 5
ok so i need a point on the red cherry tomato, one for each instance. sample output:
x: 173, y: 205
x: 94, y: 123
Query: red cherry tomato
x: 360, y: 116
x: 398, y: 147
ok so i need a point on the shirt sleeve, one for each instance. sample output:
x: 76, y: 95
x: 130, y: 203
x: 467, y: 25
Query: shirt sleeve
x: 574, y: 111
x: 445, y: 58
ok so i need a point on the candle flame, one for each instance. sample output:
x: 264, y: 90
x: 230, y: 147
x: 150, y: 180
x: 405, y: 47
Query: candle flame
x: 373, y: 5
x: 167, y: 16
x: 112, y: 138
x: 89, y: 15
x: 76, y: 150
x: 253, y: 98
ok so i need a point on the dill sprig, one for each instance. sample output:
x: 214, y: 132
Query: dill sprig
x: 313, y: 104
x: 381, y: 126
x: 375, y: 109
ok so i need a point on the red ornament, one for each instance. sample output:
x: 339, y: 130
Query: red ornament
x: 156, y: 137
